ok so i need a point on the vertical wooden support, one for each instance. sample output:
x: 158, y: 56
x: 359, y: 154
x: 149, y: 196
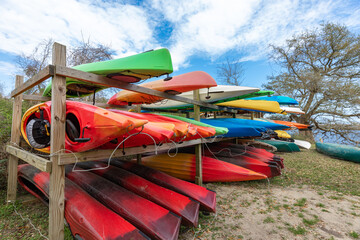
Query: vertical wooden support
x: 198, y: 177
x: 138, y: 156
x: 252, y: 115
x: 15, y: 138
x: 57, y: 142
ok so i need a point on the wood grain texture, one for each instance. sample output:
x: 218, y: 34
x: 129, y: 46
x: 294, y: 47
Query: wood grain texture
x: 101, y: 80
x: 45, y: 99
x: 42, y: 75
x: 69, y: 158
x: 198, y: 159
x: 38, y: 162
x: 57, y: 142
x: 15, y: 138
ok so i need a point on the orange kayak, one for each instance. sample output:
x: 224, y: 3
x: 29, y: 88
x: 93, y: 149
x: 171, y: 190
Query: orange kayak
x: 292, y: 124
x: 87, y: 126
x: 178, y: 84
x: 183, y: 166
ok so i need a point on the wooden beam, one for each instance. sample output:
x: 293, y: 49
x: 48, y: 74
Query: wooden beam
x: 45, y: 99
x: 38, y: 162
x: 104, y: 81
x: 36, y: 98
x: 69, y: 158
x: 57, y: 143
x: 15, y: 138
x: 198, y: 157
x: 42, y: 75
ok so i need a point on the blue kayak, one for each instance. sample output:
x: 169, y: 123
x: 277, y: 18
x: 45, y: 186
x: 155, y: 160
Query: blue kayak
x: 282, y: 100
x: 236, y: 130
x: 255, y: 123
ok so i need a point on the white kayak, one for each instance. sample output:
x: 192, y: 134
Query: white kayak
x: 212, y: 94
x: 295, y: 110
x: 302, y: 144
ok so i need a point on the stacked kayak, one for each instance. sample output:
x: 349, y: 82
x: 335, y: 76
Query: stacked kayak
x: 206, y: 198
x: 340, y: 151
x: 282, y: 100
x: 249, y: 95
x: 128, y: 69
x: 152, y: 219
x: 179, y: 204
x: 292, y: 124
x: 243, y: 127
x: 87, y: 126
x: 254, y: 105
x: 95, y: 221
x: 176, y: 85
x: 282, y: 146
x: 249, y: 151
x: 182, y: 166
x: 213, y: 94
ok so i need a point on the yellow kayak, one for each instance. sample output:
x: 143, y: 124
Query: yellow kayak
x: 282, y: 134
x: 258, y: 105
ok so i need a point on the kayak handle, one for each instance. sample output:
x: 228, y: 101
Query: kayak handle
x: 82, y: 140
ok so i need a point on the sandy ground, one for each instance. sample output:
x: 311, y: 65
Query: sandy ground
x: 273, y: 212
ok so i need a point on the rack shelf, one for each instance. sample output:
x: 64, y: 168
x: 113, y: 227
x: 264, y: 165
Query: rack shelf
x: 55, y: 165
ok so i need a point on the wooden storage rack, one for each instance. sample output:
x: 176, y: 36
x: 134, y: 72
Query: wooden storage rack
x: 55, y: 166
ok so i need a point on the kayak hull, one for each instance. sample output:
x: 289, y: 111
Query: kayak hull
x: 178, y: 84
x: 177, y: 203
x: 84, y: 121
x: 128, y: 69
x: 93, y: 222
x: 340, y: 151
x: 183, y: 166
x: 206, y: 198
x: 152, y: 219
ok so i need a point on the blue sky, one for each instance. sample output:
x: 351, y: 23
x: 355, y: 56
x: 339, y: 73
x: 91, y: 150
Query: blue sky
x: 198, y: 33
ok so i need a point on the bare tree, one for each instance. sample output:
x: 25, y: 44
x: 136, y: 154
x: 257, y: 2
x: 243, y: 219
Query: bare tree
x: 84, y: 52
x: 34, y: 62
x: 321, y: 69
x: 231, y: 72
x: 88, y: 52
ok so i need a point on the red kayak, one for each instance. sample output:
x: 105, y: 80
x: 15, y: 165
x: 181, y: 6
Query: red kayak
x: 241, y: 160
x: 152, y: 219
x: 257, y: 153
x: 150, y: 133
x: 95, y: 221
x: 201, y: 131
x: 183, y: 166
x: 183, y: 206
x: 87, y: 126
x: 176, y: 85
x: 206, y: 198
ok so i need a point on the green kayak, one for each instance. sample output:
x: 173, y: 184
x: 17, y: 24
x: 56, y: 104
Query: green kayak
x: 249, y: 95
x: 129, y: 69
x: 341, y: 151
x: 282, y: 146
x: 219, y: 130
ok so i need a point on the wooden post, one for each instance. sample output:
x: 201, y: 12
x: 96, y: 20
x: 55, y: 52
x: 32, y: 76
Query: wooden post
x: 57, y: 142
x: 138, y: 156
x: 15, y: 138
x: 198, y: 177
x: 252, y: 115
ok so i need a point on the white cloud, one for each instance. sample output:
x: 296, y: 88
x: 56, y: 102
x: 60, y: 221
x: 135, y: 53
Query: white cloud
x: 23, y: 24
x: 211, y: 27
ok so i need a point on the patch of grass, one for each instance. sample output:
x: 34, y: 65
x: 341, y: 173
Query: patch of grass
x: 354, y: 235
x: 300, y: 202
x: 321, y: 205
x: 319, y: 171
x: 297, y: 231
x: 311, y: 222
x: 301, y: 215
x: 269, y: 220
